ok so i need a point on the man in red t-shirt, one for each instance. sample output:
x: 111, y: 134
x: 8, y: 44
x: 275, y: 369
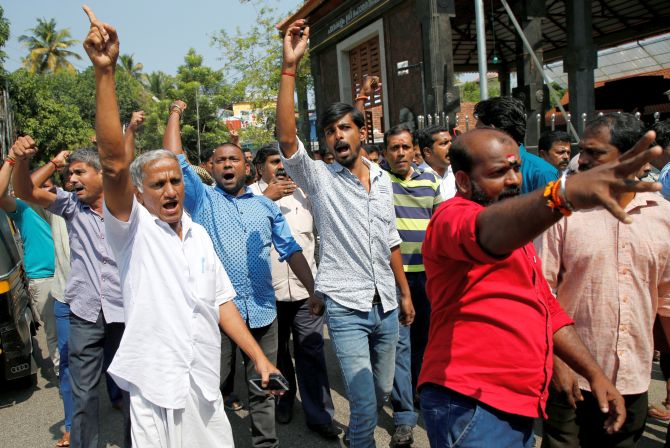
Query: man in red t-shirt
x: 494, y: 322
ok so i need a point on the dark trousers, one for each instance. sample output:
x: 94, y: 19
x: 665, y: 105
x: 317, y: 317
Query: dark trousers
x: 310, y: 362
x: 261, y: 406
x: 88, y: 344
x: 567, y: 427
x: 420, y: 326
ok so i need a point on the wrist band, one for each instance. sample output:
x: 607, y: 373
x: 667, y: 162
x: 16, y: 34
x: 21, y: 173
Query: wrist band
x: 54, y: 164
x: 361, y: 97
x: 288, y: 74
x: 563, y: 194
x: 174, y: 106
x: 10, y: 161
x: 553, y: 197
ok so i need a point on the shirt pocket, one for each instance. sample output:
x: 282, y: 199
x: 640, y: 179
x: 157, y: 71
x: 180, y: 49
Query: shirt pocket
x: 205, y: 280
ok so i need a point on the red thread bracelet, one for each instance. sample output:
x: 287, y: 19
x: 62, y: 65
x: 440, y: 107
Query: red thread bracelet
x: 54, y: 164
x: 288, y: 74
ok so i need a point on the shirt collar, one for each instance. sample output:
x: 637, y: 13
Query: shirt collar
x: 247, y: 192
x: 186, y: 223
x: 375, y: 170
x: 642, y: 200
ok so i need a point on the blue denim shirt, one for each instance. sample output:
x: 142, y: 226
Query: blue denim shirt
x: 243, y: 229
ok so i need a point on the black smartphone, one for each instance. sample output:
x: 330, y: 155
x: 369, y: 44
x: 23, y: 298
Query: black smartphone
x: 277, y: 382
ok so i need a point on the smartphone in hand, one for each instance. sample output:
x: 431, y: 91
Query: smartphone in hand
x: 277, y: 382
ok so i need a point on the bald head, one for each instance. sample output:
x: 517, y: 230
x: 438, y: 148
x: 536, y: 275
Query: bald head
x: 471, y: 148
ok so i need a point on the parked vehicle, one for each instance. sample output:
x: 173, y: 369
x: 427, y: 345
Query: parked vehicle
x: 17, y: 325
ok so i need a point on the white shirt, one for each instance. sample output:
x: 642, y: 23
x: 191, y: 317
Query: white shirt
x: 172, y: 289
x: 298, y: 213
x: 448, y: 186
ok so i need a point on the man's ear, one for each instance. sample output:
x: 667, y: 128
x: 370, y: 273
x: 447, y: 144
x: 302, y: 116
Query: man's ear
x: 138, y: 196
x: 463, y: 184
x: 247, y: 171
x: 363, y: 133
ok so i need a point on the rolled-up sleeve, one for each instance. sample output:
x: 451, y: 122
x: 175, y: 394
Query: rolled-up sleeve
x: 65, y: 204
x: 194, y: 190
x: 559, y: 318
x: 224, y: 288
x: 282, y: 238
x: 302, y: 169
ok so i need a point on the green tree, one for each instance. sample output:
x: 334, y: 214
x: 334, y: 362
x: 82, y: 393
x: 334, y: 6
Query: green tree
x: 58, y: 109
x: 48, y: 48
x: 193, y: 80
x: 159, y: 84
x: 127, y: 63
x: 4, y: 36
x: 252, y: 63
x: 470, y: 90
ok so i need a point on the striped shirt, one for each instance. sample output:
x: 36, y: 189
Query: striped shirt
x: 415, y: 199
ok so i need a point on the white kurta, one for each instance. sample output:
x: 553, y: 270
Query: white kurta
x: 169, y: 356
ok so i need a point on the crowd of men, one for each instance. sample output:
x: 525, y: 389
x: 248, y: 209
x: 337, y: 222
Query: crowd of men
x: 460, y: 276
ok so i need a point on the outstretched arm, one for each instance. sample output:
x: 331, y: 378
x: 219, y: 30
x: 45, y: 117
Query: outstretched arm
x: 136, y: 121
x: 102, y: 47
x: 172, y: 136
x: 295, y: 44
x: 24, y: 149
x: 525, y: 217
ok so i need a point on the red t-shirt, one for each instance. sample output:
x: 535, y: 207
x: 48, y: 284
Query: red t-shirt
x: 492, y: 319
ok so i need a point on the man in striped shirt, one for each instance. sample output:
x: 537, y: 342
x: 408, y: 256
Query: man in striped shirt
x: 416, y: 194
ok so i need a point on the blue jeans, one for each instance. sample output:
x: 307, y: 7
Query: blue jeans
x: 62, y: 313
x: 402, y: 396
x: 454, y: 420
x: 365, y: 343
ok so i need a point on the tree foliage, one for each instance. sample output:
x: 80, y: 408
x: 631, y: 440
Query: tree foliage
x: 48, y: 48
x: 252, y: 63
x: 127, y: 63
x: 58, y: 109
x: 4, y: 36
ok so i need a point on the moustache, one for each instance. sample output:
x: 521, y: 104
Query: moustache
x: 509, y: 193
x: 341, y: 144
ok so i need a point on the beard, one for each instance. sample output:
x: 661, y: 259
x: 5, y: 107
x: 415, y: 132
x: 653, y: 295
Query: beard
x: 481, y: 198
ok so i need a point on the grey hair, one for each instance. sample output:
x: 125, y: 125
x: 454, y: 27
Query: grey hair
x: 137, y: 167
x: 88, y: 156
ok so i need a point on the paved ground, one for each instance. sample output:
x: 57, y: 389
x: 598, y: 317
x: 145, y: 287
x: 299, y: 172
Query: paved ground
x: 33, y: 417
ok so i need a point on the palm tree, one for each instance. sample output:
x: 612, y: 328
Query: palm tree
x: 159, y: 83
x: 48, y: 48
x: 129, y: 65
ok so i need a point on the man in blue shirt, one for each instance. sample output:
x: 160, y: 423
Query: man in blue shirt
x: 242, y: 227
x: 507, y: 114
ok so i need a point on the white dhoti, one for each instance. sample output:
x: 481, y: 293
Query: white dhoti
x: 201, y: 423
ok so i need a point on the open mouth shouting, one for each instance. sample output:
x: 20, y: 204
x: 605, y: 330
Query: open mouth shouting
x: 171, y: 207
x: 342, y: 148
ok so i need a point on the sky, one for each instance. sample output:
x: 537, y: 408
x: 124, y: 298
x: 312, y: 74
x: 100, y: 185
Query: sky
x: 157, y: 33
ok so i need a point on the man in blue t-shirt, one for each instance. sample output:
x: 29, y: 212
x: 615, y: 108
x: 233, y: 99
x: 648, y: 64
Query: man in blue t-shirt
x: 507, y: 114
x: 38, y: 254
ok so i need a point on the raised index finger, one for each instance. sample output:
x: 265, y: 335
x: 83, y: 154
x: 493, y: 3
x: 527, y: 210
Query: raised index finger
x: 95, y: 22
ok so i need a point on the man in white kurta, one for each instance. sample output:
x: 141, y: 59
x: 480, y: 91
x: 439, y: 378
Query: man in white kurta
x: 168, y: 359
x: 175, y: 290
